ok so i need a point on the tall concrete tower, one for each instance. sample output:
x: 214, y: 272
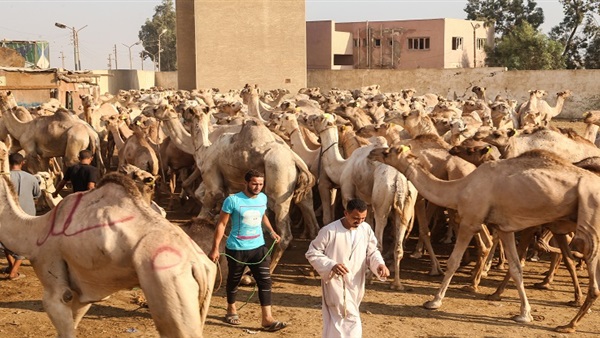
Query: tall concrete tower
x: 226, y: 44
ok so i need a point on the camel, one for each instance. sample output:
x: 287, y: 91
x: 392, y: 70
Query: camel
x: 386, y: 191
x: 510, y: 143
x: 138, y: 151
x: 47, y: 187
x: 82, y: 256
x: 224, y: 163
x: 416, y: 122
x: 145, y: 182
x: 51, y: 136
x: 592, y: 121
x: 535, y: 188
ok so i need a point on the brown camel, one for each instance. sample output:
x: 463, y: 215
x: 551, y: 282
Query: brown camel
x: 535, y: 188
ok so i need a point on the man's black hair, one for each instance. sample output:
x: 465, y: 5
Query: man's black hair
x: 356, y: 204
x: 85, y: 154
x: 15, y: 159
x: 253, y: 173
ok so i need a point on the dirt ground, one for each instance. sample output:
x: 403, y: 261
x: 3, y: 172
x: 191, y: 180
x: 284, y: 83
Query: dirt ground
x: 297, y: 300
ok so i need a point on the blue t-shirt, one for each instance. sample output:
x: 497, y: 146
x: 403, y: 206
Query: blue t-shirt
x: 246, y: 220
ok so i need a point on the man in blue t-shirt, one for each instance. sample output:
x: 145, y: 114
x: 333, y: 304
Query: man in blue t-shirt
x: 246, y: 246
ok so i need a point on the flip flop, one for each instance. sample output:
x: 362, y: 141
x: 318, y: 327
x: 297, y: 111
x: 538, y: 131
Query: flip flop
x: 19, y: 276
x: 233, y: 319
x: 276, y: 326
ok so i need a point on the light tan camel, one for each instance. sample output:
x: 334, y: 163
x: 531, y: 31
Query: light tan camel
x: 592, y: 121
x: 511, y: 143
x: 224, y: 163
x: 82, y: 256
x: 47, y: 187
x: 138, y: 151
x: 385, y: 190
x: 533, y: 189
x: 51, y: 136
x: 416, y: 122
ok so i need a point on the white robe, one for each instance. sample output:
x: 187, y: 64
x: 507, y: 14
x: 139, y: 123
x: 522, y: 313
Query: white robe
x: 342, y: 295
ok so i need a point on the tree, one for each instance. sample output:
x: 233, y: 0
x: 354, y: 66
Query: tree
x: 592, y: 56
x: 163, y: 20
x: 577, y: 31
x: 526, y: 48
x: 505, y: 14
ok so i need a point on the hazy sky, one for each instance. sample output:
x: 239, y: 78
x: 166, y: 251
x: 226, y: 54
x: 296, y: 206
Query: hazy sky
x: 117, y: 22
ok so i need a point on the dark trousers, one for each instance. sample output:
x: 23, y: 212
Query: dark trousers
x: 261, y: 273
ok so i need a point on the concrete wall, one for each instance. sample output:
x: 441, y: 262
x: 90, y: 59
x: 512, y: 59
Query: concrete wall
x: 450, y: 82
x: 319, y: 45
x: 237, y: 42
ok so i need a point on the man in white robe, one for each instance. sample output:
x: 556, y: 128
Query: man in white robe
x: 341, y: 253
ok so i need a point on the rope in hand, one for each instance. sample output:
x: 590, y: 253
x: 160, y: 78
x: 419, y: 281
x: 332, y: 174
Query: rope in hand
x: 245, y: 263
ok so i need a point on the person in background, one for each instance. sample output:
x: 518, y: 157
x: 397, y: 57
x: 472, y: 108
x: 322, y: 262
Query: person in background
x: 341, y: 254
x: 82, y: 176
x: 28, y: 189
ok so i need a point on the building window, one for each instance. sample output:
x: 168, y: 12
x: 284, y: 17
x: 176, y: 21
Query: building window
x: 377, y: 42
x: 343, y: 60
x: 457, y: 43
x: 391, y: 42
x: 356, y: 43
x: 418, y: 43
x: 364, y: 42
x: 481, y: 42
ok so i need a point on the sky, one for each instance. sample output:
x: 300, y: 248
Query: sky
x: 104, y: 24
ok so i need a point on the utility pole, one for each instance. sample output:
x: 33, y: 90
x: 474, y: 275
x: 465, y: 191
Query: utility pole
x: 109, y: 61
x: 75, y: 43
x: 116, y: 66
x: 475, y: 43
x: 130, y: 59
x: 159, y: 50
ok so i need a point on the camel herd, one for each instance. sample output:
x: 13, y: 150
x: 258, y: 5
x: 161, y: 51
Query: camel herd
x: 490, y: 168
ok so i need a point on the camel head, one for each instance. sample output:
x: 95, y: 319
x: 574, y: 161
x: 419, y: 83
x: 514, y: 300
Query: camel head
x: 7, y: 99
x: 408, y: 93
x: 564, y: 94
x: 399, y: 157
x: 371, y: 130
x: 498, y: 137
x: 537, y: 93
x: 46, y: 181
x: 394, y: 116
x: 320, y: 123
x: 532, y: 118
x: 144, y: 181
x: 476, y: 152
x: 288, y: 122
x: 592, y: 116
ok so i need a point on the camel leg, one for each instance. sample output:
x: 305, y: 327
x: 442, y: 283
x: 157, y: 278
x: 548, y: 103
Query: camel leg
x: 282, y: 223
x: 554, y: 263
x: 484, y: 242
x: 462, y: 241
x: 311, y: 226
x: 593, y: 293
x: 424, y: 236
x: 57, y: 299
x: 516, y: 272
x: 174, y: 315
x: 327, y: 194
x: 527, y: 236
x: 569, y: 261
x: 79, y: 310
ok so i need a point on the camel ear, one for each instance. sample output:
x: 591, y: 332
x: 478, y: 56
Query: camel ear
x: 511, y: 132
x: 587, y: 114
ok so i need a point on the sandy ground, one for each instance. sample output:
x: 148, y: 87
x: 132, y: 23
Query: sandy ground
x: 297, y: 300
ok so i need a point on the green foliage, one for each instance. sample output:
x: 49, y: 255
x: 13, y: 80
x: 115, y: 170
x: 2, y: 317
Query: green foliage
x: 524, y: 48
x: 163, y: 19
x: 592, y: 56
x: 505, y: 14
x: 578, y: 31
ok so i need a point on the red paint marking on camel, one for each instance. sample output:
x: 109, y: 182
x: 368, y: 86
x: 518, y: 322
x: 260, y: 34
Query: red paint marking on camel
x: 52, y: 231
x: 162, y: 250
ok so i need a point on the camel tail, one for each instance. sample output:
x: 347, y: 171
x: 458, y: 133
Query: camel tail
x: 305, y: 180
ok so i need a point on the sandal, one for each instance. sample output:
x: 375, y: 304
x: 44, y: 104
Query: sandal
x: 233, y: 319
x: 276, y: 326
x: 19, y: 276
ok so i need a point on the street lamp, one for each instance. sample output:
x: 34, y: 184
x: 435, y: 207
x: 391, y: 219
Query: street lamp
x: 75, y: 43
x: 129, y: 47
x: 159, y: 50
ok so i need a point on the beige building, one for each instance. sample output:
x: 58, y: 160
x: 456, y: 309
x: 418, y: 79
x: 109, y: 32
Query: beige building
x: 227, y: 44
x: 406, y: 44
